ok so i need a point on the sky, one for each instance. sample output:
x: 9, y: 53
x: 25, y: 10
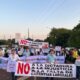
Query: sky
x: 16, y: 16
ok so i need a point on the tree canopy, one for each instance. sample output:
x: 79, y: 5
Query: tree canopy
x: 65, y: 37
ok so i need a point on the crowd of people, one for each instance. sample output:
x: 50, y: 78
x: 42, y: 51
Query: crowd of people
x: 71, y: 56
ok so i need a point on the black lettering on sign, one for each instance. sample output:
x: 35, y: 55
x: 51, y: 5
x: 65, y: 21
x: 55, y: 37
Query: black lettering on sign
x: 33, y: 71
x: 42, y: 71
x: 61, y: 72
x: 33, y: 64
x: 44, y: 74
x: 70, y: 67
x: 37, y: 71
x: 51, y: 71
x: 71, y: 75
x: 33, y: 67
x: 61, y: 68
x: 41, y: 65
x: 37, y: 64
x: 51, y: 65
x: 50, y: 74
x: 57, y: 65
x: 57, y: 68
x: 54, y: 68
x: 66, y: 75
x: 37, y: 67
x: 70, y: 72
x: 53, y: 74
x: 58, y: 72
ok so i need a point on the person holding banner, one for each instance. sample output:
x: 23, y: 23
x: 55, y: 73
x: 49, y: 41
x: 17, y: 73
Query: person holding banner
x: 77, y: 63
x: 1, y: 52
x: 13, y: 57
x: 51, y: 58
x: 26, y: 52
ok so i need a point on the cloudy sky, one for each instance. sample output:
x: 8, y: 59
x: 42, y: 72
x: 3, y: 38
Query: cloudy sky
x: 16, y: 16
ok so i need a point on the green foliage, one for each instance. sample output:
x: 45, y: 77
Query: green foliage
x: 7, y: 42
x: 3, y: 42
x: 59, y: 36
x: 65, y: 37
x: 74, y: 40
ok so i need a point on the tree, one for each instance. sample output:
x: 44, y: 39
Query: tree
x: 74, y: 40
x: 58, y: 36
x: 3, y: 42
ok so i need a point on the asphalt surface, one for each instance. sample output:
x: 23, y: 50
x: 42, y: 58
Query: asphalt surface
x: 4, y: 75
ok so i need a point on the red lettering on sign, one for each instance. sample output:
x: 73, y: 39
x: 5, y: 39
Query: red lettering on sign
x: 23, y: 68
x: 20, y: 68
x: 26, y: 68
x: 23, y: 42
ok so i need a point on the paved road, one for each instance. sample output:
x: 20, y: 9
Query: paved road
x: 4, y: 75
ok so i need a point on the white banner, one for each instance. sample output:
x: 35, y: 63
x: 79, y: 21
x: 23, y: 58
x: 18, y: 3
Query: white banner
x: 60, y: 59
x: 0, y: 62
x: 11, y: 66
x: 37, y: 59
x: 4, y: 63
x: 43, y: 59
x: 46, y: 70
x: 25, y: 42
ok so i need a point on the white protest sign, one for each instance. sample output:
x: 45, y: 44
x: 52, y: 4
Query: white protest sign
x: 4, y: 63
x: 42, y: 59
x: 60, y: 59
x: 0, y: 62
x: 58, y: 48
x: 25, y: 42
x: 11, y: 66
x: 37, y: 59
x: 46, y: 70
x: 45, y: 45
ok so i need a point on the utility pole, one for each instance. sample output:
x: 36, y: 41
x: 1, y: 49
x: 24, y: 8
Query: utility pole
x: 28, y: 33
x: 4, y: 37
x: 10, y: 36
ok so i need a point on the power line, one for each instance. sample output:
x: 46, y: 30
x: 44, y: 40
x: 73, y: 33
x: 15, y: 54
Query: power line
x: 49, y: 6
x: 58, y: 7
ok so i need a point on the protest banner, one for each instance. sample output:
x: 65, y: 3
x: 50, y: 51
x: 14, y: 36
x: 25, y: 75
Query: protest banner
x: 45, y: 45
x: 37, y: 59
x: 25, y: 42
x: 57, y: 48
x: 32, y: 59
x: 45, y: 70
x: 60, y: 59
x: 0, y: 62
x: 11, y: 66
x: 4, y: 63
x: 43, y: 59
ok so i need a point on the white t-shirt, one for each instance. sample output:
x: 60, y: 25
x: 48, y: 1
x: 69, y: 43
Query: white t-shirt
x: 13, y: 57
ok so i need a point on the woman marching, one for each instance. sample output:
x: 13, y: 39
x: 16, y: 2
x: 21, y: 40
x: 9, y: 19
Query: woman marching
x: 13, y: 57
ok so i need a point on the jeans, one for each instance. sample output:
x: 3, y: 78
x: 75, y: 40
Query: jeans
x: 13, y: 76
x: 77, y: 72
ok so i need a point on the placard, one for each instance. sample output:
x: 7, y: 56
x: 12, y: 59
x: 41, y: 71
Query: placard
x: 46, y: 70
x: 11, y: 66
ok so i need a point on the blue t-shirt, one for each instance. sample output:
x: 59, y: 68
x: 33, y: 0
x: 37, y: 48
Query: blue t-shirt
x: 51, y: 58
